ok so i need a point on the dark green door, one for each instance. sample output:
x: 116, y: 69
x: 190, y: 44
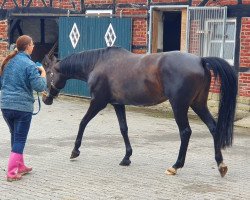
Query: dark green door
x: 83, y: 33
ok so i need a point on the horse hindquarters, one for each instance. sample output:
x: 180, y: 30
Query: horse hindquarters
x: 222, y: 131
x: 182, y: 84
x: 199, y: 106
x: 180, y: 110
x: 180, y: 101
x: 202, y: 111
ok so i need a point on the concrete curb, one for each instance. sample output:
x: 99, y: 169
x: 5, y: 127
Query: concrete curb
x: 244, y: 122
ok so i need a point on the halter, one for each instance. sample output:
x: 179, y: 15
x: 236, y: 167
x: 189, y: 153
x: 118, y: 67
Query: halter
x: 51, y: 52
x: 52, y: 86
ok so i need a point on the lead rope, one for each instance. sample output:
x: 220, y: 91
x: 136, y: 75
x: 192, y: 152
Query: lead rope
x: 39, y: 105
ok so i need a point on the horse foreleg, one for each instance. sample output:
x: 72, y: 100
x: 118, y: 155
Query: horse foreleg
x: 208, y: 119
x: 121, y: 115
x: 180, y: 114
x: 94, y: 108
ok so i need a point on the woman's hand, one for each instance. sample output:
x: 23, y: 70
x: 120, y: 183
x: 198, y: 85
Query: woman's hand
x: 42, y: 70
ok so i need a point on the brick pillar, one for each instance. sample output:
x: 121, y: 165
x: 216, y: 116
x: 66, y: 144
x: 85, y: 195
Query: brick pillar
x: 3, y: 39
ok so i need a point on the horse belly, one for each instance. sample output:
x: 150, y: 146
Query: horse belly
x: 145, y: 93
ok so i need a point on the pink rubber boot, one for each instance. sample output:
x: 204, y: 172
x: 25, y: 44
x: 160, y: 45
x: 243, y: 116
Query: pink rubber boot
x: 22, y: 169
x: 14, y: 160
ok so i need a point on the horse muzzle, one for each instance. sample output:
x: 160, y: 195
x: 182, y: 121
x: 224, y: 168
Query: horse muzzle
x: 47, y: 99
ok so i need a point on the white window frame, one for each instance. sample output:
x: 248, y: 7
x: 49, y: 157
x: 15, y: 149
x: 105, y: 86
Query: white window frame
x: 207, y: 42
x: 99, y: 12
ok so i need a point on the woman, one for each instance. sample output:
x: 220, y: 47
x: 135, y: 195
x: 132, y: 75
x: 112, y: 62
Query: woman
x: 19, y: 77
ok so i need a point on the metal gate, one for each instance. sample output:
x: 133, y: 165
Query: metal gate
x: 207, y: 31
x: 83, y: 33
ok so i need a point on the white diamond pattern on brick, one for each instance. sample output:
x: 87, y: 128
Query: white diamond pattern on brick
x: 74, y: 35
x: 110, y: 36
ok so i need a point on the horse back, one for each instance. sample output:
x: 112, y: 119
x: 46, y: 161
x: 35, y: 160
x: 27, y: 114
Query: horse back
x: 143, y: 79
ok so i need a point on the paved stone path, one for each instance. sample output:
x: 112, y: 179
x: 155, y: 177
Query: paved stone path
x: 96, y: 173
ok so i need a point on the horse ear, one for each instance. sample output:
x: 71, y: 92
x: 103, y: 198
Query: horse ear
x: 53, y: 59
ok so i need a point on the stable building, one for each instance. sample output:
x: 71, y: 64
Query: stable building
x: 203, y: 27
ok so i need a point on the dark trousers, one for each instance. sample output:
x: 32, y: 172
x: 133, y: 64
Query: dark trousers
x: 19, y: 125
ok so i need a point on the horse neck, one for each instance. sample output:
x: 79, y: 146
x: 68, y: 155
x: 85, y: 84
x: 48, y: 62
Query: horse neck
x: 81, y: 74
x: 76, y: 68
x: 86, y: 70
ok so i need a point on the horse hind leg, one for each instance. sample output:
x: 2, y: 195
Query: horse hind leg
x: 180, y: 113
x: 121, y: 115
x: 200, y: 108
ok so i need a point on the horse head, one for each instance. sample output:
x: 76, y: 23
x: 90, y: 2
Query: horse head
x: 55, y: 80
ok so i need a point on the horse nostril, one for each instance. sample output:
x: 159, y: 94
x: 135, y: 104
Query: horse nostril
x: 47, y: 100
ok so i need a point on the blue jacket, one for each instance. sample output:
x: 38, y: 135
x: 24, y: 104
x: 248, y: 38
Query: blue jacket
x: 20, y: 77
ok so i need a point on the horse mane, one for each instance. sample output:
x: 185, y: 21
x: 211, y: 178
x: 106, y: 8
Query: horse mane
x: 75, y: 62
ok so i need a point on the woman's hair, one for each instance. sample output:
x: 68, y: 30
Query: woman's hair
x: 22, y: 43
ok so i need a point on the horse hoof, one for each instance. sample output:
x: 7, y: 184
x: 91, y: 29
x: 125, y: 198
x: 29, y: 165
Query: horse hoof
x: 74, y: 154
x: 125, y: 162
x: 223, y: 169
x: 171, y: 171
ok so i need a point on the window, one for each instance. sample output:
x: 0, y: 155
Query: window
x: 214, y: 40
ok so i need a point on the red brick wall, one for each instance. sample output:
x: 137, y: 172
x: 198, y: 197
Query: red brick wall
x: 131, y: 1
x: 245, y: 43
x: 196, y: 2
x: 194, y: 45
x: 98, y: 1
x: 139, y: 32
x: 244, y: 78
x: 3, y: 39
x: 64, y: 4
x: 244, y: 84
x: 215, y: 84
x: 217, y: 3
x: 140, y: 51
x: 246, y: 1
x: 168, y: 1
x: 222, y: 2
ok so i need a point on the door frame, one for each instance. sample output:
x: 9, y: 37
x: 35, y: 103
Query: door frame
x: 153, y: 26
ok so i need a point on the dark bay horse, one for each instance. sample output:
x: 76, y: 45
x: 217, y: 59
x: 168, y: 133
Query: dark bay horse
x: 119, y: 77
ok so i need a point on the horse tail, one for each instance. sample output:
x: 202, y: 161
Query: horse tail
x: 227, y: 103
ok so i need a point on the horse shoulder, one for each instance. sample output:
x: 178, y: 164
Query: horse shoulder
x: 97, y: 79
